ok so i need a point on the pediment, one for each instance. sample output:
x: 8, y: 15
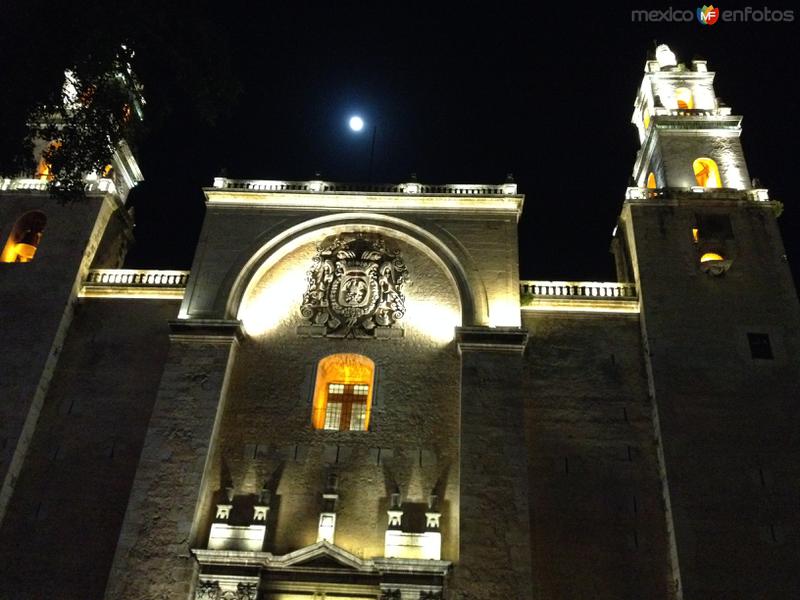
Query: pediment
x: 322, y: 555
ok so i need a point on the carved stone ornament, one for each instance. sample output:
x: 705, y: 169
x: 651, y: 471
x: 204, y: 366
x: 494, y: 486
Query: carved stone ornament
x: 355, y: 286
x: 211, y: 590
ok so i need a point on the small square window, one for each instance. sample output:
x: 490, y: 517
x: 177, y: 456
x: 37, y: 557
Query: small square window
x: 760, y: 346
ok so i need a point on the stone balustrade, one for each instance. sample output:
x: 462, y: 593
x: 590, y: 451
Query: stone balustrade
x: 117, y: 283
x: 413, y: 187
x: 40, y: 185
x: 579, y: 296
x: 723, y: 111
x: 753, y: 194
x: 582, y: 289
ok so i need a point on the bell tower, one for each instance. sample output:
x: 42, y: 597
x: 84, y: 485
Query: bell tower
x: 689, y: 138
x: 46, y: 249
x: 721, y: 336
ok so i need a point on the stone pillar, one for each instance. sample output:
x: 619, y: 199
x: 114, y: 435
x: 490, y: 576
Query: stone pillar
x: 494, y: 548
x: 168, y: 499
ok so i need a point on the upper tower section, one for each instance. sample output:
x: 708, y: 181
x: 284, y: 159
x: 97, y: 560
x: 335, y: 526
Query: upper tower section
x: 79, y: 135
x: 689, y: 140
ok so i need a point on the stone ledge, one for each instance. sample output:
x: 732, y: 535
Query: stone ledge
x: 491, y: 339
x: 205, y: 330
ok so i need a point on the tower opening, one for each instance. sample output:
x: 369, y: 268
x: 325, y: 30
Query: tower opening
x: 684, y: 98
x: 651, y: 181
x: 24, y: 238
x: 44, y: 170
x: 706, y: 173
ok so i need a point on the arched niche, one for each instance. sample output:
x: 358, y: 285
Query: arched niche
x: 265, y: 253
x: 25, y: 237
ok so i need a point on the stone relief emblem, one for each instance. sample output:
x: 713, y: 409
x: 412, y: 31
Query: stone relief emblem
x: 354, y: 287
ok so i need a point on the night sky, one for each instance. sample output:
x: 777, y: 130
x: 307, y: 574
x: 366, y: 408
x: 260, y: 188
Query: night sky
x: 459, y: 97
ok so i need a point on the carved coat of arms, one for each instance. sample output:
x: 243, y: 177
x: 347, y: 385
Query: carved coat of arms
x: 355, y: 286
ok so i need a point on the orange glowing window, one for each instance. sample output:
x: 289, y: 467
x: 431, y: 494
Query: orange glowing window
x: 646, y: 118
x: 710, y: 256
x: 684, y: 98
x: 44, y: 168
x: 707, y: 173
x: 343, y: 393
x: 24, y: 239
x: 695, y: 234
x: 651, y: 181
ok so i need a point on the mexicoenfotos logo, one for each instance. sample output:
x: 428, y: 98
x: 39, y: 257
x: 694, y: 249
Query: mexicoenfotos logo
x: 707, y: 15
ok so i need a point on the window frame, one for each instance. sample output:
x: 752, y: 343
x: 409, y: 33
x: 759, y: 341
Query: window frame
x: 354, y: 373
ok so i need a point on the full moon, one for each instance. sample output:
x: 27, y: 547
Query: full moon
x: 356, y: 123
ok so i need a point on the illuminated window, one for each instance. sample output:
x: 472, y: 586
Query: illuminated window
x: 343, y: 393
x: 684, y: 98
x: 646, y: 118
x: 710, y: 256
x: 44, y: 169
x: 707, y: 173
x: 24, y: 239
x: 651, y: 181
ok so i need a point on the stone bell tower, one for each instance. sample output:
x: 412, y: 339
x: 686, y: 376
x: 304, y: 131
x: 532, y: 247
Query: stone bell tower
x: 46, y: 250
x: 721, y: 336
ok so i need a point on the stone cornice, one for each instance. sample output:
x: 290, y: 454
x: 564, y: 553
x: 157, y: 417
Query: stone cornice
x: 491, y: 339
x: 206, y: 331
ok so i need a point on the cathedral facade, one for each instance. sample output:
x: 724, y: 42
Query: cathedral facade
x: 352, y: 395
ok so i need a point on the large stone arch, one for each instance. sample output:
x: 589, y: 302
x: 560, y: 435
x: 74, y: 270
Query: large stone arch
x: 452, y: 259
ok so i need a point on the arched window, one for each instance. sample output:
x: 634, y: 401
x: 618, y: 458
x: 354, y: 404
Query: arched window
x: 25, y: 237
x: 343, y: 393
x: 684, y: 98
x: 651, y: 181
x: 646, y: 118
x: 710, y: 256
x: 707, y: 173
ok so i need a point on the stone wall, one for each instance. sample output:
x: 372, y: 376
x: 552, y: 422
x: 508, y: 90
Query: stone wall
x: 728, y: 421
x: 70, y: 498
x: 598, y: 527
x: 679, y: 149
x: 266, y: 437
x: 495, y: 553
x: 152, y: 556
x: 36, y: 300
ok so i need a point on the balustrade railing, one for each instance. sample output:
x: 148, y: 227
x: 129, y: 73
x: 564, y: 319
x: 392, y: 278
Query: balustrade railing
x: 266, y: 185
x: 137, y: 278
x: 134, y: 283
x: 40, y: 185
x: 752, y: 194
x: 578, y: 289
